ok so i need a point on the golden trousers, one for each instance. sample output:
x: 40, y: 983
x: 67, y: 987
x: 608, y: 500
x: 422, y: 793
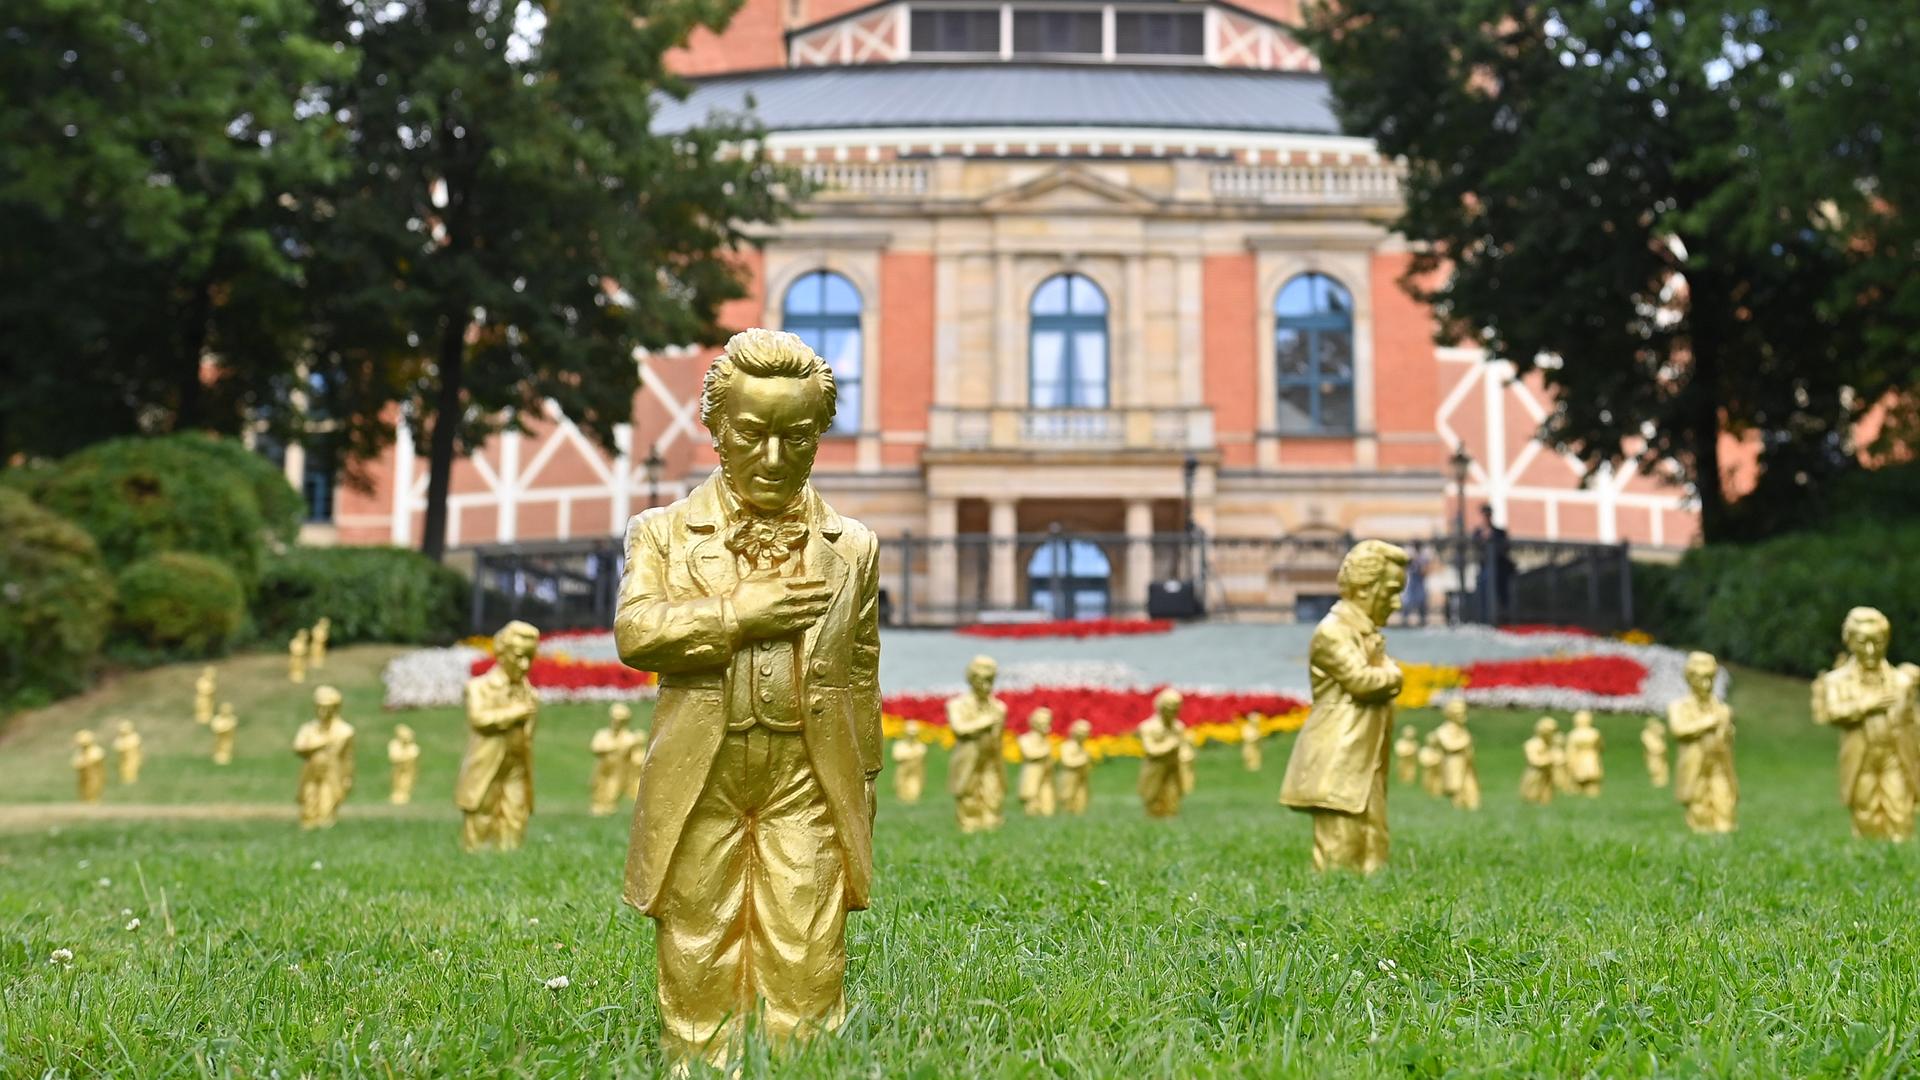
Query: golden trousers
x: 1882, y: 800
x: 753, y: 914
x: 1353, y: 841
x: 504, y: 810
x: 1161, y: 787
x: 909, y: 781
x: 1071, y: 790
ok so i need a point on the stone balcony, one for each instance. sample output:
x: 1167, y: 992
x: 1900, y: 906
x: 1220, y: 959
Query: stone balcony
x: 1022, y: 430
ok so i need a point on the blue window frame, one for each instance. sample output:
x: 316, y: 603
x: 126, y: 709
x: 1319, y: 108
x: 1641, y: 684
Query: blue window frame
x: 1313, y: 355
x: 823, y: 309
x: 1067, y: 344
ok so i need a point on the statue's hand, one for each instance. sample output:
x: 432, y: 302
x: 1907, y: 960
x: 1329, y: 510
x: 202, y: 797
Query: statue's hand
x: 778, y: 607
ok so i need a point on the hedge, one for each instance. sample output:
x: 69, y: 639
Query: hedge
x: 1778, y: 605
x: 370, y: 594
x: 177, y: 604
x: 56, y: 602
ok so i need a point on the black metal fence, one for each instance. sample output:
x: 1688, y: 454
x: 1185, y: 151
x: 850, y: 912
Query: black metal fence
x: 1059, y: 574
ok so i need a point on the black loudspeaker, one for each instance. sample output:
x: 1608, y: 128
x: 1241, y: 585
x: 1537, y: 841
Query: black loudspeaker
x: 1173, y: 600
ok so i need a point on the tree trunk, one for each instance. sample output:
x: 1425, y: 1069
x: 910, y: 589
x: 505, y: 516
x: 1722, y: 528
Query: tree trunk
x: 447, y: 413
x: 190, y: 392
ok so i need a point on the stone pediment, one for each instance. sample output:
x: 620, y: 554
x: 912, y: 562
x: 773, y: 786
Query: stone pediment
x: 1069, y: 189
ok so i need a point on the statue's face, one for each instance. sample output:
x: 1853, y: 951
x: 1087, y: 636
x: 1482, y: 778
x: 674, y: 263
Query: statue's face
x: 515, y: 659
x: 1456, y: 711
x: 1700, y: 675
x: 912, y: 729
x: 980, y: 679
x: 1582, y: 720
x: 1040, y: 722
x: 1869, y: 647
x: 1382, y: 598
x: 1169, y: 707
x: 769, y: 432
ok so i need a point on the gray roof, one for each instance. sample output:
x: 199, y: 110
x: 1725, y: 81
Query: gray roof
x: 1013, y: 95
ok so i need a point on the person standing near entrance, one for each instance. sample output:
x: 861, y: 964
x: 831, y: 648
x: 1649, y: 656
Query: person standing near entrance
x: 1496, y: 569
x: 1413, y: 604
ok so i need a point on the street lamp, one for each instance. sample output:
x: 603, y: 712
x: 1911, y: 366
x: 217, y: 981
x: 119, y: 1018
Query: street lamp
x: 1189, y: 469
x: 655, y: 465
x: 1461, y: 462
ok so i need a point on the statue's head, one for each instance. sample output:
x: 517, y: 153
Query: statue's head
x: 126, y: 727
x: 1583, y: 719
x: 1372, y: 576
x: 767, y: 400
x: 911, y: 729
x: 1701, y: 670
x: 300, y: 636
x: 403, y: 733
x: 326, y: 702
x: 323, y: 624
x: 980, y: 675
x: 618, y: 714
x: 83, y: 739
x: 1409, y: 731
x: 513, y: 648
x: 1040, y: 721
x: 1079, y: 730
x: 1655, y: 725
x: 1167, y: 704
x: 1455, y: 710
x: 1546, y: 727
x: 1867, y: 633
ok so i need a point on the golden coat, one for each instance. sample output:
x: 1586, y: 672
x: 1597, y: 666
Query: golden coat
x: 1345, y: 739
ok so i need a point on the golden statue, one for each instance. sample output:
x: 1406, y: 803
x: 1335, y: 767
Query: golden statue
x: 1536, y: 784
x: 1653, y: 745
x: 1338, y: 772
x: 495, y: 788
x: 1459, y: 776
x: 1430, y: 757
x: 1562, y: 778
x: 297, y: 657
x: 1036, y: 765
x: 1163, y: 772
x: 317, y: 643
x: 909, y: 764
x: 203, y: 691
x: 223, y: 724
x: 89, y: 767
x: 1872, y: 703
x: 128, y: 754
x: 1406, y: 755
x: 636, y: 743
x: 1076, y: 767
x: 1250, y: 736
x: 760, y: 608
x: 326, y: 744
x: 1584, y: 744
x: 974, y: 776
x: 611, y: 751
x: 1703, y: 726
x: 403, y: 754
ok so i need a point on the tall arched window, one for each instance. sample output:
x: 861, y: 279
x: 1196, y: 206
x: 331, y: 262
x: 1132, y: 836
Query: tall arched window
x: 823, y: 308
x: 1313, y: 354
x: 1067, y: 367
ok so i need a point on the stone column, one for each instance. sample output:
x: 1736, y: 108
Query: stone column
x: 1139, y: 552
x: 943, y: 558
x: 1002, y: 526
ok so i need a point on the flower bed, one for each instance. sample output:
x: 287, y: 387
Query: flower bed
x: 565, y: 673
x: 1610, y: 676
x: 1070, y: 628
x: 1114, y: 714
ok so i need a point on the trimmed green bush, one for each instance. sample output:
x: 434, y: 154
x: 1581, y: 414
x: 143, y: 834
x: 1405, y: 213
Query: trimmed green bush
x: 56, y: 602
x: 178, y: 604
x: 282, y: 507
x: 140, y: 496
x: 1778, y: 605
x: 370, y: 594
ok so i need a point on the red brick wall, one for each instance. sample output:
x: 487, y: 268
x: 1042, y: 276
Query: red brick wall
x: 1230, y: 381
x: 753, y: 41
x: 1406, y: 377
x: 906, y: 341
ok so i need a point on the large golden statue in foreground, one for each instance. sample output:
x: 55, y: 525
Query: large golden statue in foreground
x: 1872, y: 703
x: 909, y: 764
x: 1703, y: 726
x: 975, y: 777
x: 325, y: 746
x: 1076, y: 768
x: 1164, y: 742
x: 1036, y: 765
x: 1338, y: 771
x: 759, y: 608
x: 495, y: 787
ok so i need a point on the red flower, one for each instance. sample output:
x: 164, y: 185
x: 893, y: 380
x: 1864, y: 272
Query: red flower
x: 1110, y: 712
x: 1612, y: 676
x: 1069, y: 628
x: 577, y: 675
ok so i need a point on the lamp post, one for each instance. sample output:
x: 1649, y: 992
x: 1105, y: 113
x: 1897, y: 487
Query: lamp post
x: 1461, y: 462
x: 655, y: 465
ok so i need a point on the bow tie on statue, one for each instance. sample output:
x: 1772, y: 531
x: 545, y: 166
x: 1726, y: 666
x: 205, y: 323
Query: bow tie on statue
x: 767, y: 541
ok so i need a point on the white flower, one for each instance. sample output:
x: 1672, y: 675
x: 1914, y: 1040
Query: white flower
x: 104, y: 882
x: 125, y: 911
x: 84, y: 863
x: 133, y: 924
x: 63, y: 957
x: 1388, y: 966
x: 558, y: 982
x: 316, y: 865
x: 534, y: 921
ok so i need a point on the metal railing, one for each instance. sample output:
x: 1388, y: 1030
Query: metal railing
x: 867, y: 179
x: 1022, y: 428
x: 1306, y: 183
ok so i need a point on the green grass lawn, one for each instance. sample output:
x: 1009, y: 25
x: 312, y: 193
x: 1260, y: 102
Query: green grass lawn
x: 1590, y: 938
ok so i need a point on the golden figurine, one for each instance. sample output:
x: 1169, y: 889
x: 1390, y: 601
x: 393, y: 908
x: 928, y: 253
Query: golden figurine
x: 1250, y: 736
x: 1653, y: 745
x: 1338, y: 772
x: 1076, y: 767
x: 128, y: 753
x: 974, y: 775
x: 317, y: 643
x: 1430, y: 757
x: 495, y: 788
x: 1872, y: 703
x: 203, y: 691
x: 611, y: 751
x: 1584, y: 744
x: 1406, y: 755
x: 297, y: 657
x: 909, y: 764
x: 636, y: 757
x: 1703, y: 726
x: 326, y: 744
x: 1460, y: 777
x: 759, y: 607
x: 223, y: 725
x: 403, y: 755
x: 1562, y: 778
x: 1536, y: 784
x: 1163, y: 770
x: 1036, y: 765
x: 89, y: 767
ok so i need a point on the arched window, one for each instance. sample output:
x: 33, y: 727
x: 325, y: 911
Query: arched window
x: 1069, y: 579
x: 1313, y: 355
x: 1067, y: 363
x: 823, y: 308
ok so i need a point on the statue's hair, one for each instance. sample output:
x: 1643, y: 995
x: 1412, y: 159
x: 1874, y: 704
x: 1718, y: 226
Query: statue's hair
x: 513, y: 632
x: 1165, y: 696
x: 1080, y: 728
x: 1367, y: 563
x: 1866, y: 620
x: 1698, y: 657
x: 620, y: 710
x: 326, y: 695
x: 1456, y: 703
x: 767, y: 354
x: 983, y: 663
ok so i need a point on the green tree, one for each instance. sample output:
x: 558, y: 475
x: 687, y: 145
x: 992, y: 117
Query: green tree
x: 1587, y: 200
x: 512, y: 229
x: 151, y: 192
